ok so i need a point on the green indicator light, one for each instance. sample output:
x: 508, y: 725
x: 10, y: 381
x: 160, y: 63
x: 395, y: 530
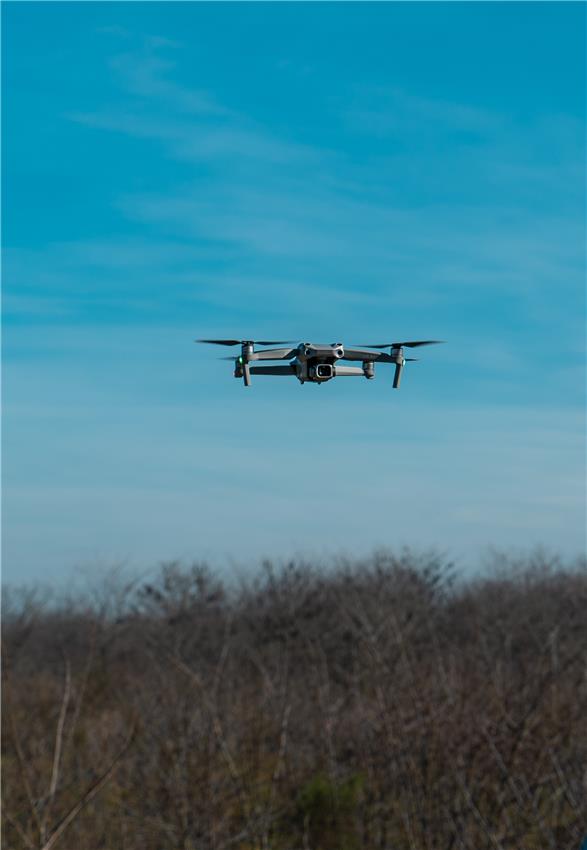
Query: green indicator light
x: 240, y: 360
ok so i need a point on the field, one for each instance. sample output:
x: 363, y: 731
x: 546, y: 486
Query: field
x: 387, y: 703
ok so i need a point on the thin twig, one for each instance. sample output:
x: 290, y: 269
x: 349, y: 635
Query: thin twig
x: 89, y: 795
x: 58, y: 748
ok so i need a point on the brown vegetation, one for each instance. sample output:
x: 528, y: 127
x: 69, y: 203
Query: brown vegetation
x: 373, y: 705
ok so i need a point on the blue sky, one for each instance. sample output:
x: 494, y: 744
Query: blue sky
x: 317, y: 171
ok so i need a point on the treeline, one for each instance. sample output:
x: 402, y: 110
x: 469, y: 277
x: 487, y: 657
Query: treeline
x: 377, y: 704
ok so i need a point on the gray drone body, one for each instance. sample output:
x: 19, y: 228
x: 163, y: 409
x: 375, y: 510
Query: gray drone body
x: 314, y: 363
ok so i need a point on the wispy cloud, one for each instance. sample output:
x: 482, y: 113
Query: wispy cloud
x: 396, y: 215
x: 198, y: 141
x: 464, y: 250
x: 192, y: 123
x: 147, y: 76
x: 387, y: 110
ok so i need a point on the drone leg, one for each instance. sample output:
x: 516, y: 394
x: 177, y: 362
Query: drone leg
x: 246, y: 374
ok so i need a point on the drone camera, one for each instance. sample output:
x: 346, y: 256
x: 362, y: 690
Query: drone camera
x: 324, y: 370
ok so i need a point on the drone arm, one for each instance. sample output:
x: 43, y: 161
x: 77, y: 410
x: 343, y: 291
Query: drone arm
x: 385, y: 358
x: 274, y: 354
x: 364, y: 355
x: 273, y: 370
x: 348, y: 371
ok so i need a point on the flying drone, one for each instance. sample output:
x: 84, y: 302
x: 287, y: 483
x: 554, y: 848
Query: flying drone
x: 316, y: 364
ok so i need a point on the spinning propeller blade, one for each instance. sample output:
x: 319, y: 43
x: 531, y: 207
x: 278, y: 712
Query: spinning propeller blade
x: 220, y: 341
x: 246, y: 341
x: 405, y: 344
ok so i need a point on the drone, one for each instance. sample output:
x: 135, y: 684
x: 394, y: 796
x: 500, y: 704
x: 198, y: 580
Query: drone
x: 316, y: 364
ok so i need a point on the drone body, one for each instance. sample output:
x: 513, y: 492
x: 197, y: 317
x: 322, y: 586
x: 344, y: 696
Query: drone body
x: 317, y: 363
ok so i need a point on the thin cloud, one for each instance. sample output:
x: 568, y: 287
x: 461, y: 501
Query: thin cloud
x: 394, y: 109
x: 193, y: 124
x: 147, y: 76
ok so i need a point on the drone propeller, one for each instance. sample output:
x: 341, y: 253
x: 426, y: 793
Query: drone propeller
x: 405, y: 344
x: 246, y: 341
